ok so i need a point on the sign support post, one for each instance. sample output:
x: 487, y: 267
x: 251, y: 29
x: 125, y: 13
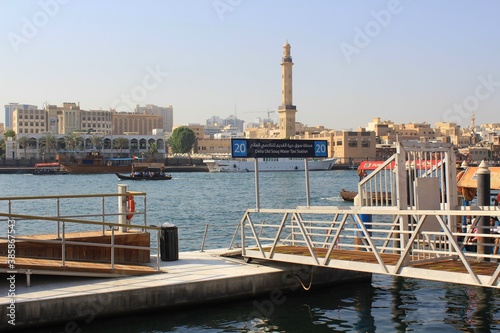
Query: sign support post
x: 261, y: 148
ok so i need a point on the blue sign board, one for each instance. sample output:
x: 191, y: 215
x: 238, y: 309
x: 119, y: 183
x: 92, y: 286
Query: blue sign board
x: 242, y: 148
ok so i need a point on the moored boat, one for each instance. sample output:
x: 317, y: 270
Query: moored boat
x: 94, y: 163
x: 50, y: 168
x: 268, y: 164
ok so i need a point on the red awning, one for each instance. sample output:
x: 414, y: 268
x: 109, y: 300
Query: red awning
x: 47, y: 165
x: 419, y: 164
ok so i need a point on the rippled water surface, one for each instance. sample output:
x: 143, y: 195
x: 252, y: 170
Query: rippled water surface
x: 193, y: 200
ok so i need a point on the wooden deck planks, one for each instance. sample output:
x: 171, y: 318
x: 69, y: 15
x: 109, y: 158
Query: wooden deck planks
x: 449, y: 265
x: 77, y: 267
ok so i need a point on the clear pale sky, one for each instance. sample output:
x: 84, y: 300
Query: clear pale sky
x: 405, y: 61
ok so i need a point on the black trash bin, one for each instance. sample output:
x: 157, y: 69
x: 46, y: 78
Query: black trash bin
x: 169, y: 242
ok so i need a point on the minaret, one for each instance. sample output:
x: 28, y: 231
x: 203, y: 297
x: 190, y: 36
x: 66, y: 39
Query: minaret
x: 286, y: 110
x: 472, y: 121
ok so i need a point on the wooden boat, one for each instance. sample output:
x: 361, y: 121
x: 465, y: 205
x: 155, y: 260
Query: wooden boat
x: 376, y: 197
x: 50, y: 168
x: 95, y: 163
x: 144, y: 177
x: 348, y: 195
x: 150, y: 171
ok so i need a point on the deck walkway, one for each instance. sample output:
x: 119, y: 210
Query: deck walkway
x: 444, y: 265
x: 196, y: 277
x: 73, y: 268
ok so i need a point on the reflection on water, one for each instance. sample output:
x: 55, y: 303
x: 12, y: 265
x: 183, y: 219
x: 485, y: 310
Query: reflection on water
x: 386, y: 304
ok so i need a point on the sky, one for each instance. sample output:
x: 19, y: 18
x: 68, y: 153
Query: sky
x: 403, y: 61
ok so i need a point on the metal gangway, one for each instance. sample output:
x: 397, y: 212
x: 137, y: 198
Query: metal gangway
x: 406, y: 222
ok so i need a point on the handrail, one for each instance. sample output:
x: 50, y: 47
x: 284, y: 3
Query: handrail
x: 322, y: 231
x: 79, y: 219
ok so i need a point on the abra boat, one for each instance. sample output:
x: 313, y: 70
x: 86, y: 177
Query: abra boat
x: 144, y: 175
x: 50, y: 168
x: 94, y: 163
x: 146, y: 171
x: 268, y: 164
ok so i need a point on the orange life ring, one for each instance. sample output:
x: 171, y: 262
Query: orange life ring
x: 130, y: 207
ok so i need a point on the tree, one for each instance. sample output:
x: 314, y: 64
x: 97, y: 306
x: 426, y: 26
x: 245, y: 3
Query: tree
x: 152, y: 149
x: 47, y: 143
x: 73, y: 140
x: 23, y: 143
x: 120, y: 143
x: 182, y: 140
x: 2, y: 148
x: 96, y: 142
x: 9, y: 134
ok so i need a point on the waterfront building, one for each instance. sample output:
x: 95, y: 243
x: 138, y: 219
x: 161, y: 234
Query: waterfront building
x: 199, y: 130
x: 262, y: 132
x: 416, y: 132
x: 9, y: 110
x: 286, y: 110
x: 381, y: 128
x: 451, y: 132
x: 136, y: 145
x: 29, y: 121
x: 354, y: 146
x: 143, y: 124
x: 210, y: 146
x: 166, y: 112
x: 96, y: 121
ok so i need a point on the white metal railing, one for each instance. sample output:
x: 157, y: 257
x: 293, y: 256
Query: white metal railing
x: 379, y: 186
x: 86, y: 214
x: 323, y: 232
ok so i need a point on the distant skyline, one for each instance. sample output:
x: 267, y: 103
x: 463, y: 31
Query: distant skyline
x: 404, y: 61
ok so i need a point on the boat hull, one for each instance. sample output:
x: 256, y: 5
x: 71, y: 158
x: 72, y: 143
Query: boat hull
x: 95, y: 169
x: 281, y: 164
x: 124, y: 177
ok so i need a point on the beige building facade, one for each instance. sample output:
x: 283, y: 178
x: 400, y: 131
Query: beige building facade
x: 30, y: 121
x: 142, y: 124
x: 354, y: 146
x: 213, y: 146
x: 166, y: 112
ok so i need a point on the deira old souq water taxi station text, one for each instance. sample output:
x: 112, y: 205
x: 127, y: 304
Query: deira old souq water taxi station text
x: 281, y: 148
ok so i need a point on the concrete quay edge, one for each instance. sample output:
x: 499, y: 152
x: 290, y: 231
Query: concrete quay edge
x: 196, y: 278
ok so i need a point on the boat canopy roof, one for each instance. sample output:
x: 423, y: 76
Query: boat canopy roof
x: 469, y: 178
x: 419, y: 164
x: 47, y: 165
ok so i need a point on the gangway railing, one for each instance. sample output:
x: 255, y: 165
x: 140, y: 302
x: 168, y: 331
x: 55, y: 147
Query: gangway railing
x: 337, y: 237
x: 65, y: 214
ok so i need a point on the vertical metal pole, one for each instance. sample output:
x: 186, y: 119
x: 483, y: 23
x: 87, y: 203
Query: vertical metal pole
x: 145, y: 212
x: 158, y: 249
x: 204, y: 238
x: 103, y: 219
x: 308, y: 194
x: 112, y: 248
x: 122, y: 206
x: 483, y: 199
x: 257, y: 200
x: 58, y: 222
x: 63, y: 251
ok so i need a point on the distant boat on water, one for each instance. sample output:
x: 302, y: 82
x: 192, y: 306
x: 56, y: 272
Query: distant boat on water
x: 94, y: 163
x: 268, y: 164
x: 49, y: 168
